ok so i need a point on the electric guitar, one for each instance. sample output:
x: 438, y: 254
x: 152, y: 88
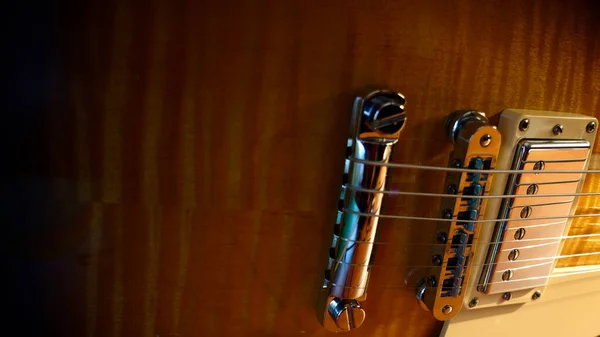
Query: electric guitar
x: 293, y: 168
x: 506, y: 207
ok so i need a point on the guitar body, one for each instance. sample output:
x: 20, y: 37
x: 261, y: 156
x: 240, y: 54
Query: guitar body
x: 180, y: 173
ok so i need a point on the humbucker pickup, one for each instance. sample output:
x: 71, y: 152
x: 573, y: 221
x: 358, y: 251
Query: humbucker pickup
x: 532, y: 213
x: 514, y: 255
x: 476, y: 148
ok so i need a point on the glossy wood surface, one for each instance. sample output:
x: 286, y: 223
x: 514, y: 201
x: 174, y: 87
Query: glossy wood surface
x: 177, y: 164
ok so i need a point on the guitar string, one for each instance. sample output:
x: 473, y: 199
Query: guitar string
x: 465, y: 170
x: 459, y: 196
x: 345, y: 210
x: 556, y: 257
x: 491, y: 220
x: 558, y: 238
x: 449, y: 169
x: 561, y: 274
x: 351, y: 242
x: 563, y: 237
x: 406, y: 217
x: 469, y: 197
x: 500, y: 242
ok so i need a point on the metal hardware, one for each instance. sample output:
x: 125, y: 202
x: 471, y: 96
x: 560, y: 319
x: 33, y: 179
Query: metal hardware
x: 519, y: 126
x: 539, y: 166
x: 525, y: 212
x: 458, y: 119
x: 476, y: 145
x: 513, y: 255
x: 377, y: 121
x: 474, y: 302
x: 347, y: 314
x: 591, y: 127
x: 420, y: 293
x: 519, y: 234
x: 524, y: 124
x: 532, y: 189
x: 557, y: 129
x: 485, y: 140
x: 536, y: 295
x: 531, y: 154
x: 507, y: 296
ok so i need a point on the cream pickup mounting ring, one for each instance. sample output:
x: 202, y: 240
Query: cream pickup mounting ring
x: 518, y: 259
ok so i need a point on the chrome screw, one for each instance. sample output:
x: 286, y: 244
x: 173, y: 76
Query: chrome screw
x: 532, y: 189
x: 352, y: 316
x: 591, y: 127
x: 536, y: 295
x: 447, y: 309
x: 506, y: 296
x: 519, y: 234
x: 513, y: 255
x: 346, y: 314
x: 524, y: 124
x: 485, y: 140
x: 386, y: 112
x: 474, y: 302
x: 525, y: 212
x: 557, y: 129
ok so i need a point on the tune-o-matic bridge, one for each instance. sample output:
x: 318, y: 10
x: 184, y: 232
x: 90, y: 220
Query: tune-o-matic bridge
x: 376, y: 124
x: 476, y: 148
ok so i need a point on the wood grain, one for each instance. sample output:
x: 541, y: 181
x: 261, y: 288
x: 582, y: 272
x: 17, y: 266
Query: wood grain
x: 182, y: 161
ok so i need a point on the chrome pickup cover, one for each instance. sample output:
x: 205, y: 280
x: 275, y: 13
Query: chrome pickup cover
x: 520, y: 257
x: 510, y: 251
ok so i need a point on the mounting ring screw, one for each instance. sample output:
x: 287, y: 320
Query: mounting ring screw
x: 506, y: 296
x: 451, y: 189
x: 591, y: 127
x: 447, y: 310
x: 557, y: 129
x: 485, y: 140
x: 474, y: 302
x: 524, y: 124
x: 536, y: 295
